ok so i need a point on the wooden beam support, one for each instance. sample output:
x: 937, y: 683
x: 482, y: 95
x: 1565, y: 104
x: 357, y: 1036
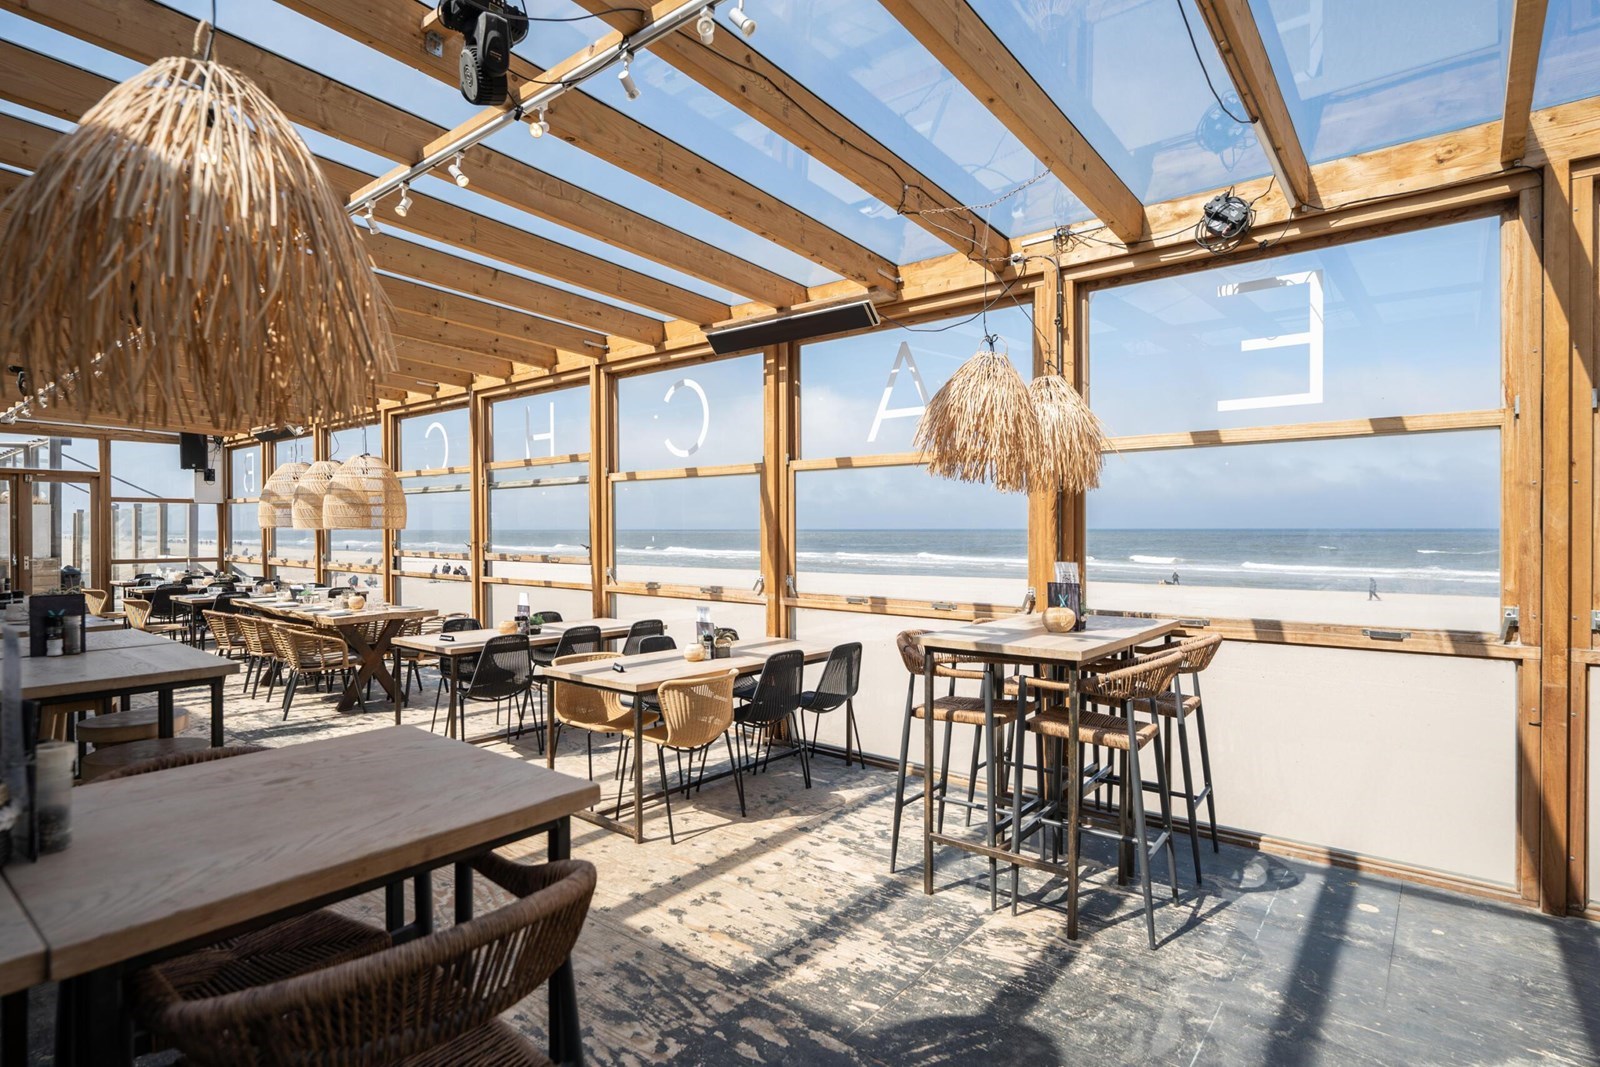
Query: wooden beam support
x: 472, y: 341
x: 24, y: 143
x: 960, y: 39
x: 505, y: 324
x: 754, y: 84
x: 432, y: 353
x: 610, y: 135
x: 147, y: 30
x: 416, y: 368
x: 1522, y: 65
x: 1238, y: 40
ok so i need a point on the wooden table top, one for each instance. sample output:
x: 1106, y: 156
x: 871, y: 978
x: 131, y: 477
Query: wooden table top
x: 114, y: 637
x: 645, y: 673
x: 1023, y: 637
x: 93, y: 624
x: 22, y: 952
x: 333, y: 618
x: 468, y: 642
x: 124, y: 666
x: 281, y: 828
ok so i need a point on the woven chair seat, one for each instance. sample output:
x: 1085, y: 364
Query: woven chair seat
x: 1109, y: 731
x: 967, y: 711
x: 1167, y: 704
x: 136, y: 724
x: 495, y: 1045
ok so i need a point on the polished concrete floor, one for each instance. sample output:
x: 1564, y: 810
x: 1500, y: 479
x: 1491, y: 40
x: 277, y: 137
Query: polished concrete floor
x: 782, y: 937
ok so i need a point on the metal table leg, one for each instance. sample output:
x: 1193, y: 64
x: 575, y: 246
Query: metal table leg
x: 927, y: 772
x: 454, y: 710
x: 566, y: 1044
x: 216, y: 713
x: 164, y: 711
x: 14, y: 1029
x: 1074, y: 803
x: 990, y: 680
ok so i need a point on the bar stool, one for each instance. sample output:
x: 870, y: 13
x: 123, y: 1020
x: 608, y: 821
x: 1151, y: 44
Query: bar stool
x: 952, y: 710
x: 1125, y: 737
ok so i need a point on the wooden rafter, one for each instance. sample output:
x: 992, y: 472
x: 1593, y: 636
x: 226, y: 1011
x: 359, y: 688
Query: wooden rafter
x: 1522, y: 65
x: 1238, y: 40
x: 395, y: 30
x: 745, y: 78
x: 482, y: 315
x: 472, y: 339
x: 146, y: 30
x: 960, y: 39
x: 434, y: 354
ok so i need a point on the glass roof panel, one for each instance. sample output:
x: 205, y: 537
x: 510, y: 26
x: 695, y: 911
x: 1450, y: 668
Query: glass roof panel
x: 682, y: 110
x: 858, y: 58
x: 1127, y: 76
x: 1364, y: 74
x: 1569, y: 58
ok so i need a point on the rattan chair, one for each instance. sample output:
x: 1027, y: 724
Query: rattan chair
x: 694, y: 713
x: 261, y: 654
x: 1124, y: 736
x: 140, y: 617
x: 308, y: 654
x: 226, y: 632
x: 953, y: 711
x: 431, y: 1002
x: 504, y: 674
x: 652, y: 707
x: 840, y: 681
x: 775, y: 701
x: 98, y: 601
x: 594, y: 711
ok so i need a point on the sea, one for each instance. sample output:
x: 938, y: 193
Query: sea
x: 1448, y: 562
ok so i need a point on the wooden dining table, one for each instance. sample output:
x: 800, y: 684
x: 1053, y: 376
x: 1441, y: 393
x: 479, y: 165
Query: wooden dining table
x: 267, y: 836
x: 22, y: 965
x: 1023, y: 640
x: 454, y: 648
x: 353, y: 627
x: 645, y: 673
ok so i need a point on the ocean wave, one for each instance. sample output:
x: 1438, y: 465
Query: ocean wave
x: 1372, y: 572
x: 1456, y: 552
x: 1164, y: 561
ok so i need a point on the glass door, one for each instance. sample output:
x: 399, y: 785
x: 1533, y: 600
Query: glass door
x: 52, y: 530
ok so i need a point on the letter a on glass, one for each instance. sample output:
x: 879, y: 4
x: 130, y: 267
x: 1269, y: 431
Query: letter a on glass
x: 902, y: 358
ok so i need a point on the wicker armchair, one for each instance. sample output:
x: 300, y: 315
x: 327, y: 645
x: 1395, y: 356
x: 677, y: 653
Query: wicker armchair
x: 694, y: 713
x: 428, y: 1003
x: 308, y: 654
x: 594, y: 711
x: 98, y: 601
x: 140, y: 617
x: 226, y: 632
x: 260, y: 654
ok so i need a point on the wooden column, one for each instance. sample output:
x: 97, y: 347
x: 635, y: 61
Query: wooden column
x: 480, y: 430
x: 1055, y: 520
x: 389, y: 442
x: 102, y: 525
x: 602, y: 450
x: 779, y: 389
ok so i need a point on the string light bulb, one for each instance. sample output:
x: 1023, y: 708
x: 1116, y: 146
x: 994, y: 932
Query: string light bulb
x: 403, y: 208
x: 455, y: 172
x: 706, y: 26
x: 742, y: 22
x: 625, y: 76
x: 539, y: 126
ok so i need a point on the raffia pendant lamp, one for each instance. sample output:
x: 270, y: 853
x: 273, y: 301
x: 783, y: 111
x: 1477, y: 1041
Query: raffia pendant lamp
x: 980, y: 425
x: 187, y: 212
x: 1071, y: 439
x: 276, y: 503
x: 310, y: 493
x: 364, y: 495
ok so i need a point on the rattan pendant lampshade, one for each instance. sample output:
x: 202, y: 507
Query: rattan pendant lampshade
x: 186, y: 214
x: 310, y: 494
x: 364, y: 495
x: 1071, y: 440
x: 980, y: 425
x: 276, y: 503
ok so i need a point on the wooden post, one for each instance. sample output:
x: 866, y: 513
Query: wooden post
x: 778, y: 388
x: 389, y: 439
x: 1055, y: 520
x: 480, y: 431
x: 602, y: 447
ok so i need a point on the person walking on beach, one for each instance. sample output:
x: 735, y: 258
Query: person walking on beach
x: 1174, y: 577
x: 1372, y: 589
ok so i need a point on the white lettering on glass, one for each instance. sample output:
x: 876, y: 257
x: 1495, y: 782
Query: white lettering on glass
x: 248, y: 482
x: 1311, y: 338
x: 902, y: 358
x: 444, y: 438
x: 529, y: 437
x: 705, y: 416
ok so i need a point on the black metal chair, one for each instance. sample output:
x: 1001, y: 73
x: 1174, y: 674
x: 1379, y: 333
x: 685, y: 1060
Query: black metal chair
x: 573, y: 642
x: 638, y: 632
x: 840, y: 681
x: 464, y: 668
x: 161, y: 606
x: 652, y: 643
x: 775, y: 700
x: 502, y: 673
x: 543, y: 657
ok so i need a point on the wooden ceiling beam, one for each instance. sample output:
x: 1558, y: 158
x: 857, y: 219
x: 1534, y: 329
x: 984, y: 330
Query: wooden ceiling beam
x: 960, y: 39
x: 148, y: 30
x: 471, y: 340
x: 1522, y: 66
x: 421, y: 351
x: 1238, y: 39
x: 491, y: 318
x: 469, y: 276
x: 395, y: 30
x: 431, y: 218
x: 429, y: 372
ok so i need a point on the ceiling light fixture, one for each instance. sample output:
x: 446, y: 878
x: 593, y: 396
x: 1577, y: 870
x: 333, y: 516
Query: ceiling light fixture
x: 403, y: 207
x: 706, y: 27
x: 625, y: 76
x: 742, y: 22
x: 455, y: 172
x: 539, y: 126
x: 372, y: 223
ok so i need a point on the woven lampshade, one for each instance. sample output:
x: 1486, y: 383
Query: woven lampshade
x: 980, y: 425
x: 276, y: 502
x: 1071, y: 439
x: 310, y: 490
x: 364, y: 495
x: 180, y: 259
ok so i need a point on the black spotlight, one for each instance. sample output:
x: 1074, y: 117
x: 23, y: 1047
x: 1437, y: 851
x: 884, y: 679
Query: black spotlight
x: 488, y: 28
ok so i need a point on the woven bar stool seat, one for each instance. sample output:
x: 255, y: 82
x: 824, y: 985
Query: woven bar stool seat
x: 1093, y: 729
x: 966, y: 710
x: 120, y: 727
x: 1167, y: 704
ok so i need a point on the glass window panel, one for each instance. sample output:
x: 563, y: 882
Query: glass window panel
x: 898, y: 532
x: 354, y: 580
x: 49, y: 453
x: 293, y: 575
x: 1362, y: 74
x: 244, y: 531
x: 1408, y: 325
x: 246, y: 477
x: 1569, y: 59
x: 1383, y: 531
x: 355, y: 548
x: 149, y: 469
x: 860, y: 59
x: 289, y: 543
x: 554, y: 423
x: 864, y: 395
x: 689, y: 531
x: 438, y: 514
x: 530, y: 516
x: 568, y: 603
x: 431, y: 442
x: 293, y: 450
x: 355, y: 441
x: 707, y: 415
x: 678, y: 615
x: 445, y: 596
x: 206, y: 517
x: 1128, y: 77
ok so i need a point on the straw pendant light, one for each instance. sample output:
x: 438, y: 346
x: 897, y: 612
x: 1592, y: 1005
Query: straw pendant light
x: 275, y: 506
x: 179, y: 259
x: 1071, y: 438
x: 980, y: 426
x: 364, y: 495
x: 310, y: 494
